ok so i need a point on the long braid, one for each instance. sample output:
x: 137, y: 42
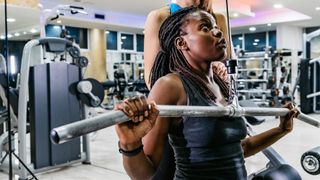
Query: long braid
x: 171, y: 60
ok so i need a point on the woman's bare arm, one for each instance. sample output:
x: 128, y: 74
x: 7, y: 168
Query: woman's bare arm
x: 151, y: 39
x: 167, y: 90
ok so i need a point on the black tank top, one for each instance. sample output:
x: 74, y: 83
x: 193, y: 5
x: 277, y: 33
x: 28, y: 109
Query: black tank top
x: 207, y: 148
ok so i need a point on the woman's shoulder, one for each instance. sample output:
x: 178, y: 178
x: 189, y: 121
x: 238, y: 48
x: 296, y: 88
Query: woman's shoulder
x: 170, y: 87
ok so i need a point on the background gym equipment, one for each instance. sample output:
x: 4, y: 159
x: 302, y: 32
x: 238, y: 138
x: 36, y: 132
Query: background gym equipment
x: 310, y: 161
x: 52, y: 92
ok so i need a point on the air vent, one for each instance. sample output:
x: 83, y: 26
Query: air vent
x: 99, y: 16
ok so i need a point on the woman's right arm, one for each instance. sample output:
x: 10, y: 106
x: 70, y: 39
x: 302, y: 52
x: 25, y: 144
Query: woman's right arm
x: 151, y: 39
x: 154, y: 131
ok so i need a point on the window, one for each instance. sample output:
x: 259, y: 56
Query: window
x: 237, y: 40
x: 79, y: 35
x: 140, y: 42
x: 112, y: 41
x: 273, y: 39
x: 126, y: 41
x: 255, y: 42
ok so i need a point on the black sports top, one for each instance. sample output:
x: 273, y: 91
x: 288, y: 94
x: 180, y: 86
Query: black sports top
x: 207, y: 148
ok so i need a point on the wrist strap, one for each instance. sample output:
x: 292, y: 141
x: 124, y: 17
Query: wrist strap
x: 132, y: 152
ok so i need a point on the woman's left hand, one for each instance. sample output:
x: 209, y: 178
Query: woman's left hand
x: 286, y: 122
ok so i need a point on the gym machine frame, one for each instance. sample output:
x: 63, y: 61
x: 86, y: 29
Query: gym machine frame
x: 22, y: 111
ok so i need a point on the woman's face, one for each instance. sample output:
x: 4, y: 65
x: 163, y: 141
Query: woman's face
x: 203, y: 38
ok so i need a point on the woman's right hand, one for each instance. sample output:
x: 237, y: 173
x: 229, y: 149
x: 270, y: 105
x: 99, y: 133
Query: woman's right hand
x: 143, y: 116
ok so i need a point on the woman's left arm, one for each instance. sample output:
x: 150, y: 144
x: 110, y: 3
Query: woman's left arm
x: 255, y: 144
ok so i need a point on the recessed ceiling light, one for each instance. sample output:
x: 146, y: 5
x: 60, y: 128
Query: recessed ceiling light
x: 17, y: 34
x: 235, y: 14
x: 278, y: 6
x: 9, y: 36
x: 11, y: 19
x: 252, y: 28
x: 240, y: 38
x: 107, y: 32
x: 317, y: 8
x: 123, y: 37
x: 2, y: 37
x: 33, y: 30
x: 269, y: 24
x: 255, y: 44
x: 256, y: 40
x: 59, y: 21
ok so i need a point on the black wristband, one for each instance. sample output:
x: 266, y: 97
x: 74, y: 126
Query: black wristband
x: 132, y: 152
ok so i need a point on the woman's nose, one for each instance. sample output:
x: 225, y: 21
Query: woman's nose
x: 217, y: 32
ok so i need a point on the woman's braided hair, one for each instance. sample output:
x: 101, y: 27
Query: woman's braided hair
x: 171, y: 60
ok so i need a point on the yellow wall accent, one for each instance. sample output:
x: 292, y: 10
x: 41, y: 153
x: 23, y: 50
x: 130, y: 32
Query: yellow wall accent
x: 96, y: 55
x: 23, y: 3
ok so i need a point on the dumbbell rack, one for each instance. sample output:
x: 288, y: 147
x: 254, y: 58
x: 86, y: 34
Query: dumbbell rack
x: 262, y: 67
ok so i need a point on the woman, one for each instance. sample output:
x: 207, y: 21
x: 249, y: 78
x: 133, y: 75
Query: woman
x: 204, y: 148
x: 158, y: 16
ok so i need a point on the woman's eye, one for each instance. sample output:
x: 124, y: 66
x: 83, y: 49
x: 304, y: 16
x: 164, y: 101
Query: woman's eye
x: 205, y: 29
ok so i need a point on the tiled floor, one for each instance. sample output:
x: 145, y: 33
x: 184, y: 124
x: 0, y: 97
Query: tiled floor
x: 107, y: 164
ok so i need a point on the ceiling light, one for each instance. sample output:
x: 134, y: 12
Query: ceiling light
x: 278, y: 6
x: 16, y: 34
x: 59, y: 21
x: 269, y: 24
x: 317, y: 8
x: 252, y: 28
x: 11, y: 19
x: 33, y: 30
x: 235, y: 14
x: 123, y: 37
x: 40, y: 5
x: 143, y: 31
x: 56, y: 27
x: 240, y: 38
x: 255, y: 44
x: 9, y: 36
x: 2, y: 37
x: 107, y: 32
x: 256, y: 40
x: 24, y: 32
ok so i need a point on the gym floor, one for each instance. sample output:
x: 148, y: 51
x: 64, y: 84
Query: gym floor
x: 107, y: 163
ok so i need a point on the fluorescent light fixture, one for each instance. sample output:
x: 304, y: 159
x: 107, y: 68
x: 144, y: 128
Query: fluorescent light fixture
x: 235, y: 14
x: 240, y: 38
x: 123, y: 37
x: 256, y: 40
x: 278, y: 6
x: 11, y: 20
x: 59, y: 21
x: 252, y: 28
x: 33, y: 30
x: 255, y: 44
x: 317, y: 8
x: 17, y: 34
x: 269, y: 24
x: 13, y: 68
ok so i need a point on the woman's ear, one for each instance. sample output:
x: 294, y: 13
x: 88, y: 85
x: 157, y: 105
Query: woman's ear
x: 181, y: 43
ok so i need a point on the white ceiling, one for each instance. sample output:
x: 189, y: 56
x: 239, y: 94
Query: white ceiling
x: 251, y: 12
